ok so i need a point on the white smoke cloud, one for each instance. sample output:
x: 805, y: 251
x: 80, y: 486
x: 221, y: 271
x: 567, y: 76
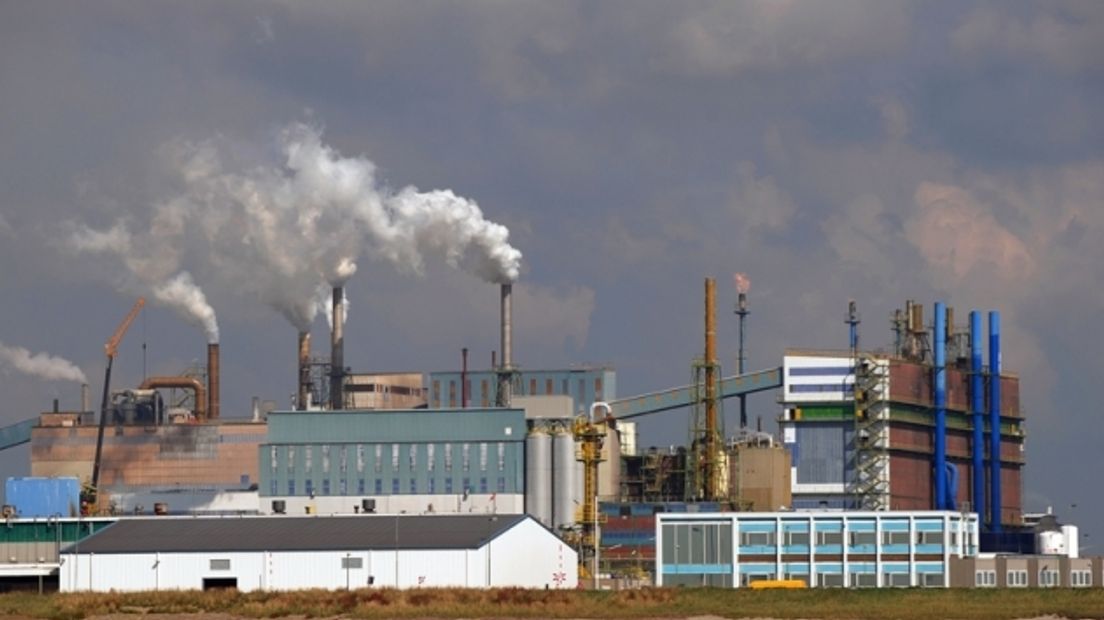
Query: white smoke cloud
x: 41, y: 365
x: 323, y: 303
x: 182, y: 294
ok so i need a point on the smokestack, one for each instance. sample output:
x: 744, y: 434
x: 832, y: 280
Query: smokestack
x: 303, y: 399
x: 504, y: 387
x: 86, y: 402
x: 337, y: 351
x: 939, y: 347
x: 977, y: 409
x: 464, y: 378
x: 213, y: 381
x: 994, y: 422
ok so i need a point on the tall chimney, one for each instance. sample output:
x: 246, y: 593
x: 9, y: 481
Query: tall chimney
x: 505, y: 370
x: 86, y: 402
x: 303, y: 399
x: 213, y: 381
x: 337, y: 351
x: 464, y: 378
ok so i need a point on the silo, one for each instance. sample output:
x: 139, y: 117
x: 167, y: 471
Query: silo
x: 563, y: 478
x: 538, y: 475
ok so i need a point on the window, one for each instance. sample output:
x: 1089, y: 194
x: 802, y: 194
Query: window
x: 895, y: 538
x: 483, y: 485
x: 326, y: 459
x: 829, y: 538
x: 448, y: 486
x: 501, y: 484
x: 532, y: 387
x: 862, y: 538
x: 432, y: 486
x: 929, y: 538
x: 483, y: 456
x: 547, y: 386
x: 756, y: 539
x: 436, y: 392
x: 1048, y: 578
x: 343, y: 487
x: 413, y: 486
x: 351, y: 563
x: 361, y: 487
x: 830, y: 580
x: 394, y: 457
x: 219, y: 565
x: 291, y: 487
x: 452, y: 393
x: 379, y: 458
x: 431, y: 461
x: 413, y: 457
x: 467, y: 486
x: 896, y: 580
x: 344, y: 464
x: 308, y: 487
x: 564, y: 389
x: 501, y: 456
x: 1080, y: 578
x: 274, y: 460
x: 291, y: 459
x: 1017, y: 578
x: 308, y: 459
x: 273, y: 489
x: 864, y: 580
x: 483, y: 393
x: 932, y: 580
x: 466, y: 456
x: 800, y: 539
x: 394, y: 486
x: 325, y: 486
x: 379, y: 486
x: 985, y: 578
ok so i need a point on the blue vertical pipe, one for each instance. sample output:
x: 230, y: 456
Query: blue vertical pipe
x: 939, y: 346
x: 994, y: 422
x: 977, y: 407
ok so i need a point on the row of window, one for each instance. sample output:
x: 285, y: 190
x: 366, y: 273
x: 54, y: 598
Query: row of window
x: 396, y: 487
x: 346, y: 563
x: 1048, y: 578
x: 415, y: 453
x: 857, y: 580
x: 487, y: 390
x: 855, y: 539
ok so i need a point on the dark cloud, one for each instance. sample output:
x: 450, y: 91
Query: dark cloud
x: 867, y: 150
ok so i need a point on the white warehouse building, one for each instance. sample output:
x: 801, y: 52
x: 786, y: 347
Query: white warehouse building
x: 336, y: 552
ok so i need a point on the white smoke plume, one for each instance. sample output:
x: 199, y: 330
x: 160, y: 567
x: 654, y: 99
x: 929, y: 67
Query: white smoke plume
x: 323, y: 303
x: 41, y: 365
x: 282, y: 228
x: 181, y: 294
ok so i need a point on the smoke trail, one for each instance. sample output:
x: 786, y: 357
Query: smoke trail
x: 181, y: 294
x: 323, y: 303
x: 742, y: 282
x: 41, y: 365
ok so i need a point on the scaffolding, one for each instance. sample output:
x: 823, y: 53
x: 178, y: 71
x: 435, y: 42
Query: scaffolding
x: 870, y: 482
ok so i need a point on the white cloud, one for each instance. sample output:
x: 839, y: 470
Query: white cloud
x: 758, y: 202
x: 1066, y: 35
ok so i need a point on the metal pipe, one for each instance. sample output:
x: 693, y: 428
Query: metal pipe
x: 337, y: 351
x: 213, y: 381
x: 977, y: 408
x: 939, y: 346
x: 742, y: 312
x: 188, y: 383
x: 304, y: 394
x: 994, y: 422
x: 86, y: 402
x: 711, y: 429
x: 506, y: 336
x: 464, y: 378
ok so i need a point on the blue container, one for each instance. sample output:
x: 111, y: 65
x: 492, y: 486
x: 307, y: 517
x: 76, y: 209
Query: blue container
x: 43, y: 497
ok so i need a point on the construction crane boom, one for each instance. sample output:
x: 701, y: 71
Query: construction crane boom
x: 110, y: 348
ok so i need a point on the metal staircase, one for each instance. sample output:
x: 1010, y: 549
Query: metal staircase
x: 870, y: 483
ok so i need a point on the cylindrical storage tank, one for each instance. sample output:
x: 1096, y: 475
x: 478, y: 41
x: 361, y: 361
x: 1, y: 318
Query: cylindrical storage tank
x: 1070, y: 533
x: 538, y: 476
x: 609, y: 470
x: 1052, y: 543
x: 563, y: 479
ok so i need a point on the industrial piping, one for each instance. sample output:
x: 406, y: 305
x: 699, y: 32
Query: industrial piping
x: 939, y: 348
x: 303, y: 398
x: 994, y: 422
x: 505, y: 388
x: 977, y: 407
x: 212, y: 381
x: 337, y: 351
x: 188, y: 383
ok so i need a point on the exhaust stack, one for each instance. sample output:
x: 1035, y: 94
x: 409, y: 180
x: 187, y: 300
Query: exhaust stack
x: 994, y: 422
x: 303, y: 398
x: 939, y: 347
x: 506, y: 369
x: 337, y: 351
x: 212, y: 381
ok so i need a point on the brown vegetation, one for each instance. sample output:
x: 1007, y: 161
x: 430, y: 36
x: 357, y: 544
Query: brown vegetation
x: 517, y: 603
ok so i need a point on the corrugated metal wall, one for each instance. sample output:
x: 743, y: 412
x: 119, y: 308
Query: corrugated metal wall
x: 823, y: 452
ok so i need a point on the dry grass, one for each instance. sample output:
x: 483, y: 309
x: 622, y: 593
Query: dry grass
x: 516, y: 603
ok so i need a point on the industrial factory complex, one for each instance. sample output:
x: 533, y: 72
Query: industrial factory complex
x: 898, y: 468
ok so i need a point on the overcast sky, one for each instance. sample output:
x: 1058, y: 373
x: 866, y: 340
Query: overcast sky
x: 831, y: 150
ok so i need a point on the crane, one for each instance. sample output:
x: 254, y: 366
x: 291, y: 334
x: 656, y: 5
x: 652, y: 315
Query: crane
x: 110, y: 348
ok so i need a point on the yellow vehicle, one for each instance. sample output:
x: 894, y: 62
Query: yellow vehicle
x: 773, y: 584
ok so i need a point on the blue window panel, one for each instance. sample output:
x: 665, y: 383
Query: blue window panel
x: 394, y: 486
x: 326, y: 486
x: 895, y: 526
x: 895, y: 567
x: 272, y: 490
x: 291, y: 487
x: 796, y: 568
x: 929, y: 549
x: 795, y: 548
x: 432, y: 486
x: 829, y: 526
x: 379, y: 486
x: 697, y: 569
x: 830, y: 568
x: 361, y: 489
x: 752, y: 526
x: 757, y: 569
x: 929, y: 526
x: 929, y: 567
x: 308, y: 487
x: 821, y: 388
x: 448, y: 485
x: 482, y: 485
x: 861, y: 567
x: 860, y: 526
x: 413, y: 486
x: 795, y: 527
x: 895, y: 549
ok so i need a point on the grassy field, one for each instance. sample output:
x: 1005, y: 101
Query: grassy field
x: 647, y: 603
